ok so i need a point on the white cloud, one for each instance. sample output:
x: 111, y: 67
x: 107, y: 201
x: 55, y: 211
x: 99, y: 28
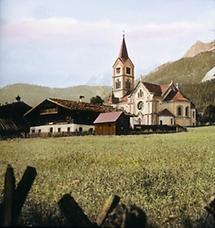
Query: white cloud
x: 66, y: 46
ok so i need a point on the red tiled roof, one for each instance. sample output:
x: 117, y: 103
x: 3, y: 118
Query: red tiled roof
x: 164, y: 88
x: 108, y: 117
x: 74, y: 105
x: 165, y: 112
x: 176, y: 96
x: 153, y: 88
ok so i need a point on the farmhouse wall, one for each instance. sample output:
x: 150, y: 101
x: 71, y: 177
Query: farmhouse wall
x: 63, y: 128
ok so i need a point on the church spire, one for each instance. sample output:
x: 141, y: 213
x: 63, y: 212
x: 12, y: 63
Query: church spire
x: 123, y: 54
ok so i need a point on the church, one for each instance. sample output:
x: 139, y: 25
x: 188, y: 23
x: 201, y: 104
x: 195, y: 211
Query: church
x: 149, y: 103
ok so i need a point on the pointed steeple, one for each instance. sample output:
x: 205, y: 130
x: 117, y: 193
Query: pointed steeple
x: 123, y: 54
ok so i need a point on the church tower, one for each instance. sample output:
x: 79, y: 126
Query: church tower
x: 123, y: 73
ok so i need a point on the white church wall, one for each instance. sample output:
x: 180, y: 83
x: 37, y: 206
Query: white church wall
x: 166, y: 120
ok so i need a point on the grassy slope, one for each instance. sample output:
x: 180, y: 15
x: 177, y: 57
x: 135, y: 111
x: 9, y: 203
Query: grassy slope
x: 33, y: 94
x: 185, y: 70
x: 170, y: 176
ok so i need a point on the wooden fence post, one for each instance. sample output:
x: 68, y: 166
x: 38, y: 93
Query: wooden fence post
x: 23, y: 189
x: 8, y: 197
x: 108, y: 207
x: 73, y: 212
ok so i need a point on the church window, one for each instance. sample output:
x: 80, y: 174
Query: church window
x: 118, y: 70
x: 193, y: 114
x: 187, y: 111
x: 171, y: 121
x: 118, y: 84
x: 128, y: 84
x: 140, y: 93
x: 179, y: 111
x: 140, y: 105
x: 128, y: 70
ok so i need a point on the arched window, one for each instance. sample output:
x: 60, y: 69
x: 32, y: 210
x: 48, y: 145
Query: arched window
x: 179, y: 111
x: 118, y: 70
x: 128, y: 70
x: 140, y: 93
x: 128, y: 84
x: 187, y: 111
x: 118, y: 84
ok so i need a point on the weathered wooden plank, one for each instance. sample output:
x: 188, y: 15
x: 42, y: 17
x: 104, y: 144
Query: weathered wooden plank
x: 73, y: 212
x: 108, y: 207
x: 8, y: 197
x: 23, y: 189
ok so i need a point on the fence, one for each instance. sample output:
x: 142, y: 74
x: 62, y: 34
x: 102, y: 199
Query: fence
x: 113, y: 213
x: 147, y: 129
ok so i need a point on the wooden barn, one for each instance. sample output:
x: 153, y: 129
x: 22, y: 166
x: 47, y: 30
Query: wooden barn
x: 12, y: 122
x: 112, y: 123
x: 63, y: 117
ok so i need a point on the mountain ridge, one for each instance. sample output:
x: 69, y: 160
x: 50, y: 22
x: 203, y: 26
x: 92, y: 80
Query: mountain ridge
x: 34, y: 94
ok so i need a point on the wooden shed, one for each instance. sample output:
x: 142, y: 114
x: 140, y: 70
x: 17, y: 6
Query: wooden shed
x: 112, y: 123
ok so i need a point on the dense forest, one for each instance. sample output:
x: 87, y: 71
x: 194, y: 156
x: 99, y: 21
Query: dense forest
x: 201, y: 94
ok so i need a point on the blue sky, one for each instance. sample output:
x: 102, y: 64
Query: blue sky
x: 61, y: 43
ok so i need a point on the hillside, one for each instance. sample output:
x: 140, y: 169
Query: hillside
x: 187, y: 70
x: 33, y: 94
x: 201, y: 95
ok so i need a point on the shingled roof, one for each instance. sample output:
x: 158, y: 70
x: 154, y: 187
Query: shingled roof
x: 74, y: 105
x: 175, y: 96
x: 109, y: 117
x: 165, y: 112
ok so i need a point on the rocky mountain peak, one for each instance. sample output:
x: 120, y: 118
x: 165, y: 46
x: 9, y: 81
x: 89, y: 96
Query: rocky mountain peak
x: 199, y: 47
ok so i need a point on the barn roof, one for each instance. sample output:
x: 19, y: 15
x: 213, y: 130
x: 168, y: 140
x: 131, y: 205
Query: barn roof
x: 14, y: 110
x: 108, y: 117
x: 75, y: 105
x: 7, y: 125
x: 165, y: 112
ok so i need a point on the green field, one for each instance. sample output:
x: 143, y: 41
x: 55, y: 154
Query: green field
x: 170, y: 176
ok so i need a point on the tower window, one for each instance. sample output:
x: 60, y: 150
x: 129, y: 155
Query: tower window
x: 128, y: 85
x: 128, y: 70
x: 118, y: 84
x: 118, y: 70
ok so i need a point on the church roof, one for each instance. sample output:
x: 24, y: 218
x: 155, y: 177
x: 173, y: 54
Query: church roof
x: 153, y: 88
x: 176, y: 96
x: 165, y: 112
x: 123, y: 54
x: 108, y: 117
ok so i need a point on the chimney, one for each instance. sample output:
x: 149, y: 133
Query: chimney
x: 177, y: 85
x: 81, y: 98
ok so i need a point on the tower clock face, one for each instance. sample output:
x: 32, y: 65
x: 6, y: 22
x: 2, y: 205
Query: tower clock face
x: 140, y: 105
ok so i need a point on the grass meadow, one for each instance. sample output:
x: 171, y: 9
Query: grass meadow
x: 170, y: 176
